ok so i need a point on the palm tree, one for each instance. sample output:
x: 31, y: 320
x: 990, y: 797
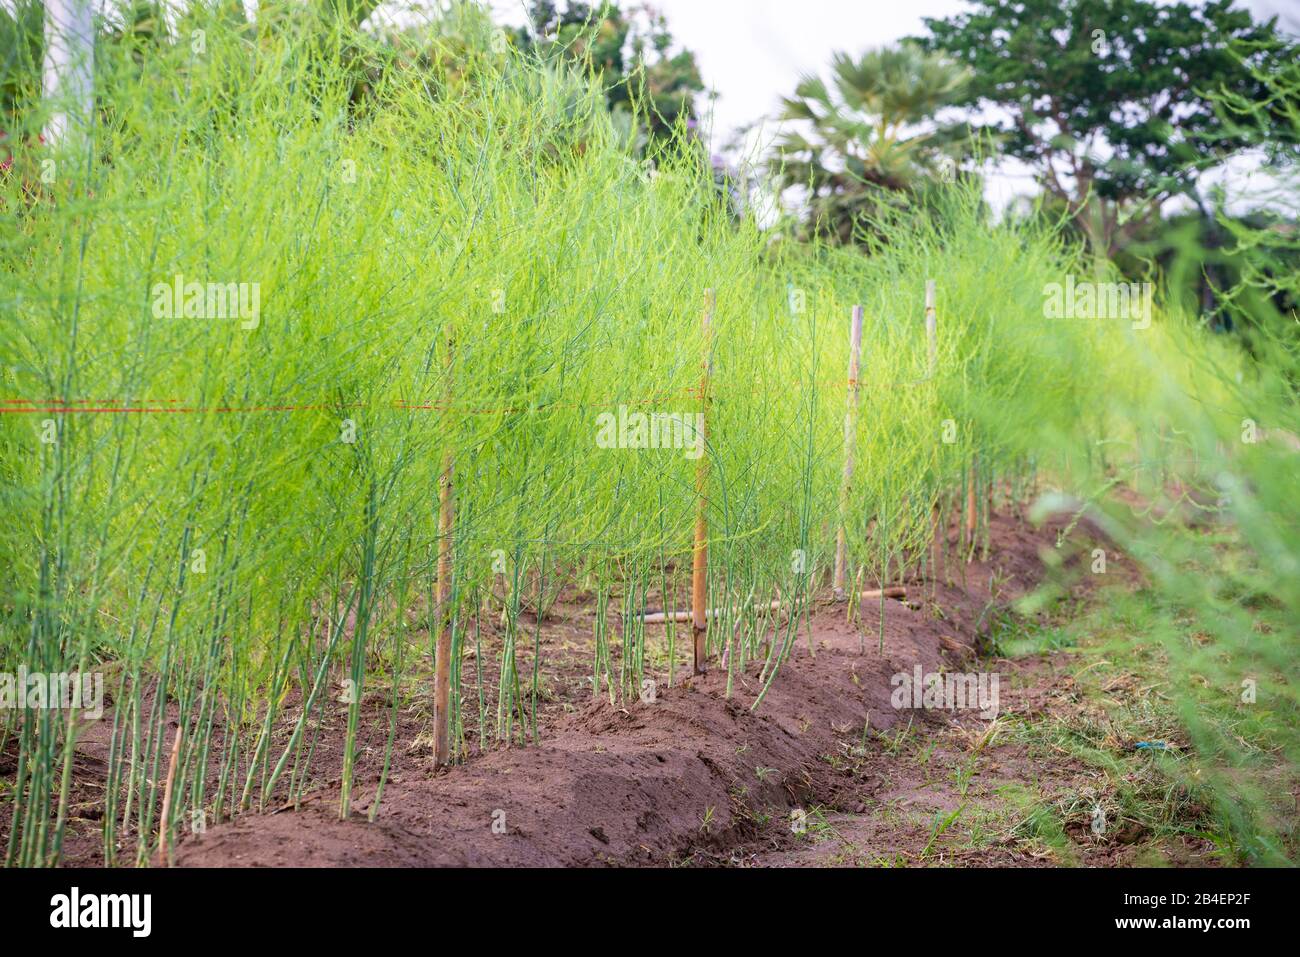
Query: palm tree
x: 870, y: 136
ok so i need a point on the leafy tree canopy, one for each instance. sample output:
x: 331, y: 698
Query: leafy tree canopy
x: 629, y: 51
x: 1108, y: 100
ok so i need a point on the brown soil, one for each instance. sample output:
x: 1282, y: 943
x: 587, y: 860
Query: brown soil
x: 693, y: 776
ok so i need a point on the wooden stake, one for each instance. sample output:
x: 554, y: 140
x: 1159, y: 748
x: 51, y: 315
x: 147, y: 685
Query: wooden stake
x: 932, y: 342
x: 164, y: 831
x: 972, y: 511
x: 931, y: 327
x: 700, y: 554
x: 442, y: 644
x: 893, y: 591
x: 850, y: 435
x: 898, y: 592
x: 936, y: 550
x: 662, y: 617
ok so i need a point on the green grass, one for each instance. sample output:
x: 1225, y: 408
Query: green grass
x: 1134, y: 686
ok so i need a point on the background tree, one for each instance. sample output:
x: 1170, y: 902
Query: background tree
x: 21, y: 50
x: 1107, y: 99
x: 870, y: 136
x: 629, y: 52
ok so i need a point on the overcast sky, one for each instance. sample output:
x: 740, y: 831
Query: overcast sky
x: 752, y: 52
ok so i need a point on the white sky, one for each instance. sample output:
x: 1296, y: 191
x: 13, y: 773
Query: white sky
x: 752, y: 52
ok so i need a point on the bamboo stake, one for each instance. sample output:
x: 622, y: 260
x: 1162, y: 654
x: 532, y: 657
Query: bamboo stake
x: 663, y: 617
x: 972, y: 512
x: 932, y: 342
x: 442, y: 645
x: 850, y: 434
x: 893, y: 591
x: 898, y: 592
x: 936, y: 550
x: 164, y: 831
x: 931, y: 327
x: 700, y: 554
